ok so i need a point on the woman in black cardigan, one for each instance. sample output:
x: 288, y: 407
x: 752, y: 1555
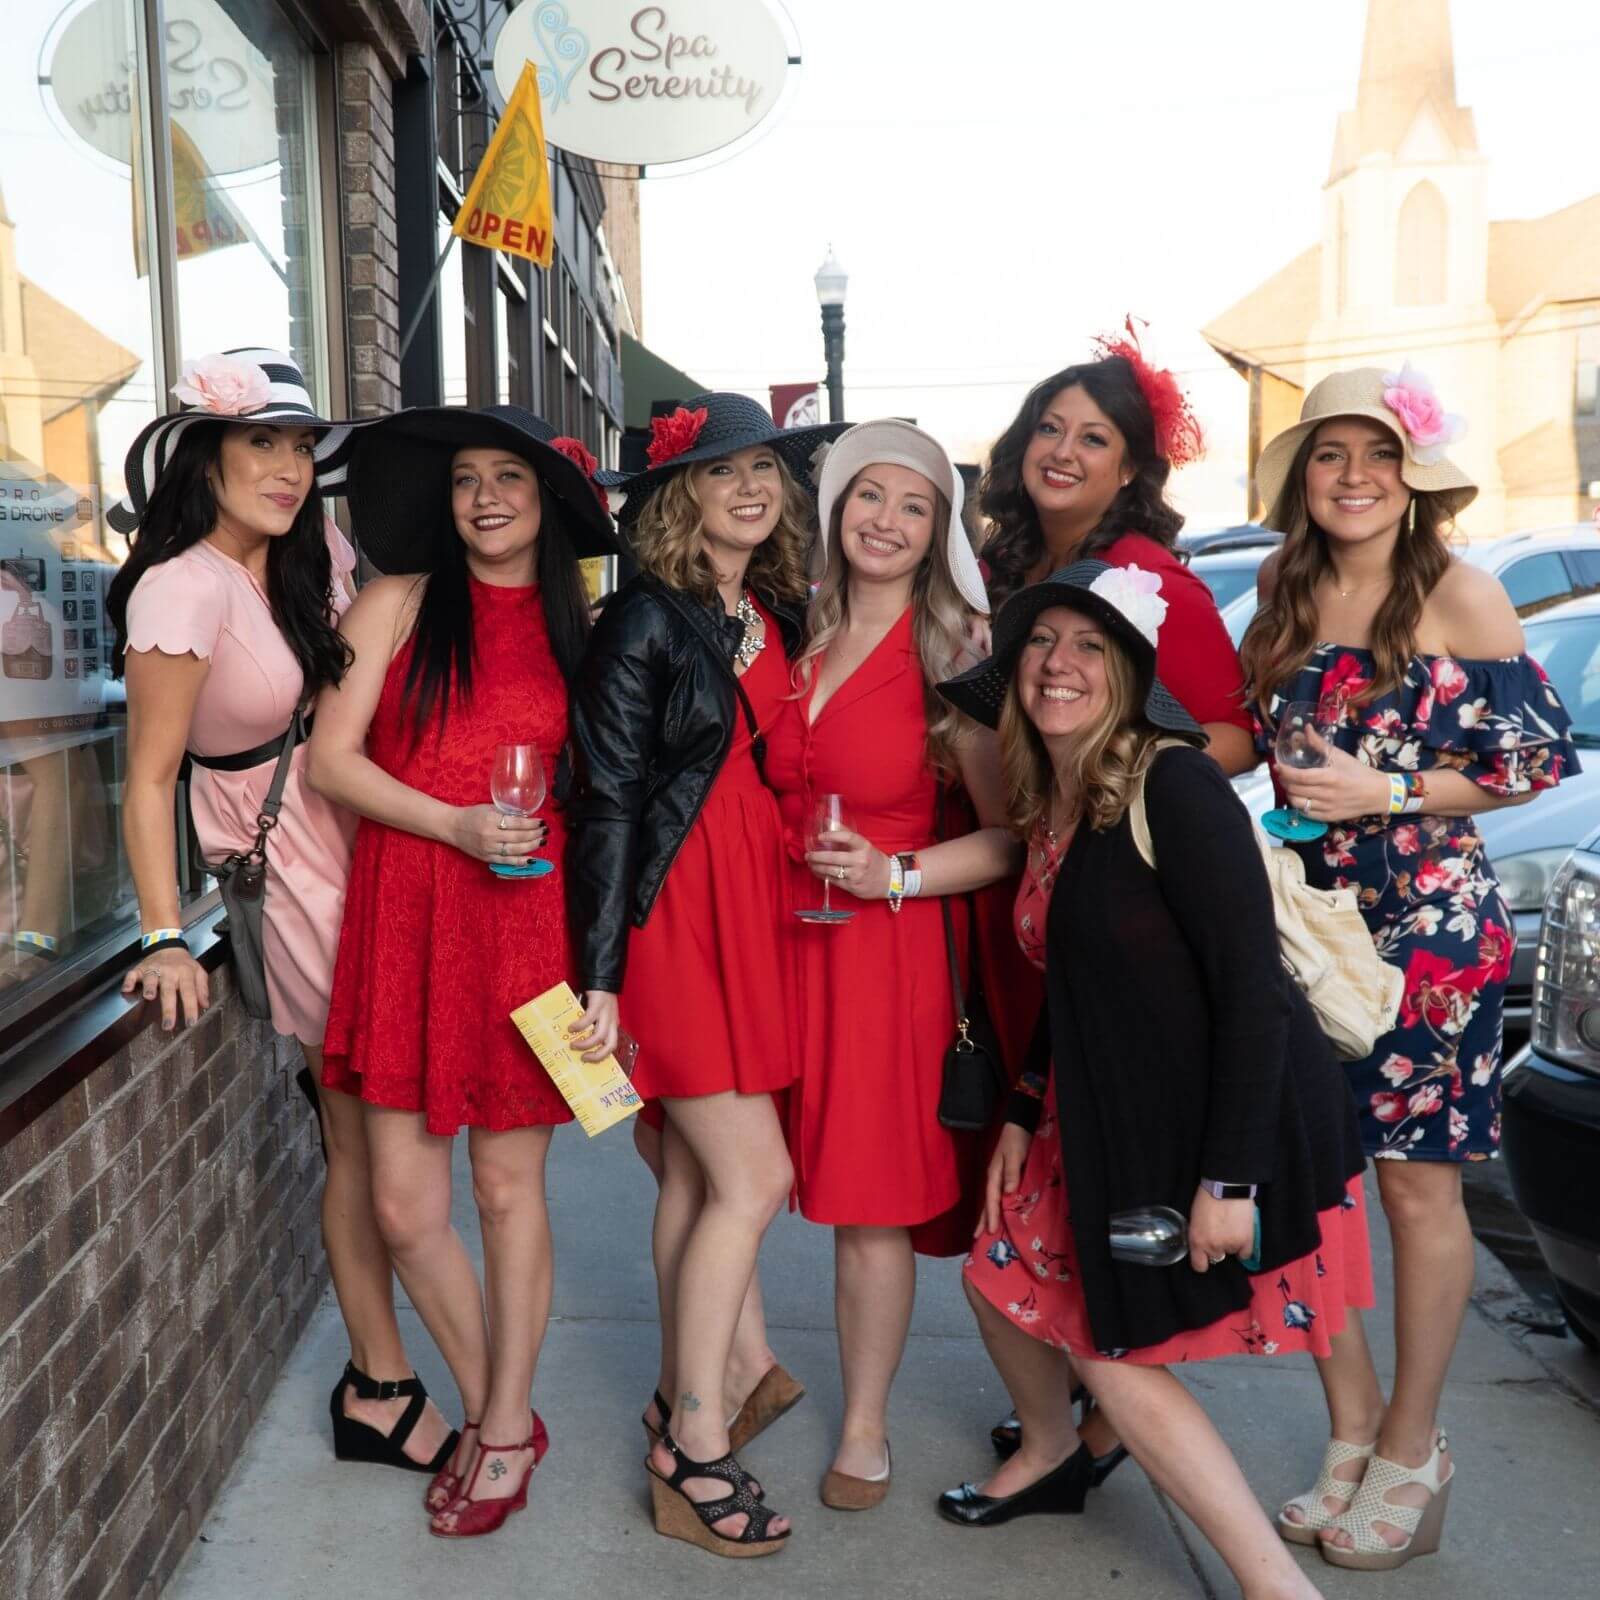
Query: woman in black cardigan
x: 1189, y: 1073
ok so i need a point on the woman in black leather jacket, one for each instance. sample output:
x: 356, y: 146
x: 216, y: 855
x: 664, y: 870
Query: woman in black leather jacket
x: 677, y: 890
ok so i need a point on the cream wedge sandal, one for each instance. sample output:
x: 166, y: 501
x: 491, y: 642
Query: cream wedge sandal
x: 1423, y: 1524
x: 1313, y: 1512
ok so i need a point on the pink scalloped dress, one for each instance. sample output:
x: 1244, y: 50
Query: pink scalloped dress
x: 203, y: 603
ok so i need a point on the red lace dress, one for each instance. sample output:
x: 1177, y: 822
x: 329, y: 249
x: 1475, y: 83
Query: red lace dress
x: 706, y: 987
x: 1029, y: 1268
x: 436, y: 951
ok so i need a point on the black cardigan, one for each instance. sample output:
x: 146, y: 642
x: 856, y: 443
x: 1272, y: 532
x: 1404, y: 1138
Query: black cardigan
x: 1182, y: 1051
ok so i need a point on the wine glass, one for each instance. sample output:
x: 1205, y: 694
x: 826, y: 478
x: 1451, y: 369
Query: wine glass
x: 828, y: 815
x: 1303, y: 738
x: 517, y: 788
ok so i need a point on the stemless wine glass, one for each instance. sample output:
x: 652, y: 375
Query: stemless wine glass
x: 1302, y: 742
x: 828, y: 815
x: 517, y: 788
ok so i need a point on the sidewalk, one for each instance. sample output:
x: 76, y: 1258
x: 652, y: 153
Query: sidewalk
x: 292, y: 1522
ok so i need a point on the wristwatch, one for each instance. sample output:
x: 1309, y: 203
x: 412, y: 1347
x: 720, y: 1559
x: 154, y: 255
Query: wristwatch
x: 1228, y: 1191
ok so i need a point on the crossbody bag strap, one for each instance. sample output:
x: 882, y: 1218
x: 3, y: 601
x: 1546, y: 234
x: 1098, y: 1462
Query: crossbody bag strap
x: 267, y: 820
x: 956, y: 987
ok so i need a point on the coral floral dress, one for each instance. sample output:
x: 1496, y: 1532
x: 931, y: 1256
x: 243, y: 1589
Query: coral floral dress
x: 1430, y: 1090
x: 705, y: 995
x: 873, y: 1002
x: 437, y: 951
x: 1028, y: 1269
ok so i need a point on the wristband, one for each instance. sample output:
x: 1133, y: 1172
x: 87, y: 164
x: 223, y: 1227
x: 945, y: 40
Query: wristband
x: 1228, y: 1191
x: 1416, y: 791
x: 1397, y: 794
x: 913, y: 882
x: 36, y: 944
x: 161, y: 936
x: 162, y: 944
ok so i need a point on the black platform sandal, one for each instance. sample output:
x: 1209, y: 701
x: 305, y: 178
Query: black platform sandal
x: 659, y: 1401
x: 360, y: 1441
x: 679, y: 1517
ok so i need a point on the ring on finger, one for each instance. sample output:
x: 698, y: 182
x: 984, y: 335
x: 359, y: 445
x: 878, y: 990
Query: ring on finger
x: 1216, y: 1261
x: 501, y: 823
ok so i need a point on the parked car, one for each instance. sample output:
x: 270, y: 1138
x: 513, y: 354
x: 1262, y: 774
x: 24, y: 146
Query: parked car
x: 1529, y: 843
x: 1550, y: 1129
x: 1539, y: 569
x: 1199, y: 542
x: 1231, y: 573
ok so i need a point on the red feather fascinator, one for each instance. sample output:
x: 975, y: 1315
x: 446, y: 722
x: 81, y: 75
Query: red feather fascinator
x: 1178, y: 436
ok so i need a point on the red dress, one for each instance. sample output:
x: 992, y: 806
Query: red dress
x: 1028, y: 1268
x: 436, y: 950
x: 872, y: 996
x: 704, y: 995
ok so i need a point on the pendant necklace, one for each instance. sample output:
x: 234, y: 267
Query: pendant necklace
x: 755, y: 637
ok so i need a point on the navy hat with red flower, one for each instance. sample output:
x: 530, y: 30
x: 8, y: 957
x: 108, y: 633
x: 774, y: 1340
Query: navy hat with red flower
x: 710, y: 426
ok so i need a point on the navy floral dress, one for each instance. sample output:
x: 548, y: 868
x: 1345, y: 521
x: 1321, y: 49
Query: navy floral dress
x: 1430, y: 1091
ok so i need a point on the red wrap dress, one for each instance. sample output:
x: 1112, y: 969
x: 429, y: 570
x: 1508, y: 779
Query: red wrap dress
x: 872, y: 997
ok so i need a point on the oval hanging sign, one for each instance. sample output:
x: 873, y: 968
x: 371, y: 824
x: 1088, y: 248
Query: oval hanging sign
x: 645, y: 85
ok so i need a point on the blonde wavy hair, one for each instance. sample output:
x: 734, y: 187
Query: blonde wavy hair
x: 940, y: 618
x: 1106, y: 760
x: 668, y: 540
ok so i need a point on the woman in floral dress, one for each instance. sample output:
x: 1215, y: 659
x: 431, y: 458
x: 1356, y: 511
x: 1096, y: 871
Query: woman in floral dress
x: 1416, y: 660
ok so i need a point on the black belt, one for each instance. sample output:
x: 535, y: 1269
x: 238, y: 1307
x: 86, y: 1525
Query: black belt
x: 245, y: 759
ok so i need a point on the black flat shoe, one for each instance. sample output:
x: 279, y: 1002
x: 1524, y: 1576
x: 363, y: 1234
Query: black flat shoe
x: 1006, y: 1437
x: 1062, y: 1490
x: 360, y: 1441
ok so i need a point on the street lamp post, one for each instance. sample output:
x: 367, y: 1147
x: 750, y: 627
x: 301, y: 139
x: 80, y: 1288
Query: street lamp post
x: 831, y: 281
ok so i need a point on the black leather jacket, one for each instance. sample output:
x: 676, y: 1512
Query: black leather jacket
x: 653, y: 713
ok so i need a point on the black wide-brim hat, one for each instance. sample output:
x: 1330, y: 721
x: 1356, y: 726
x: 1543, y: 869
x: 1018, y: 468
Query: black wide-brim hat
x: 246, y: 386
x: 710, y: 426
x: 399, y: 480
x: 981, y: 690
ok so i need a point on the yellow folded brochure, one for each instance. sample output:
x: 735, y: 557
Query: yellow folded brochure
x: 598, y: 1091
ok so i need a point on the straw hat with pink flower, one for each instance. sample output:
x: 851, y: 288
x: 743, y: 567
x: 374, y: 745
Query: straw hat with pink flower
x: 251, y: 385
x: 1405, y: 403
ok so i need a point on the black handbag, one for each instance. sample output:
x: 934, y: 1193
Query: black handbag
x: 974, y: 1084
x: 242, y: 876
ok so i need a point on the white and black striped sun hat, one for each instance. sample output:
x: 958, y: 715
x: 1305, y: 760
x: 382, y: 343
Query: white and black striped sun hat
x: 249, y: 385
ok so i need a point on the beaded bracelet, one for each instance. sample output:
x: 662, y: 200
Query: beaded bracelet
x: 897, y: 882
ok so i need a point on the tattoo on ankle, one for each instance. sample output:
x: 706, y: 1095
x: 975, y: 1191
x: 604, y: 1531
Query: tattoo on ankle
x: 689, y: 1402
x: 497, y: 1468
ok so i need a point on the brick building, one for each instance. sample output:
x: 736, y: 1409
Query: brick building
x: 159, y: 1248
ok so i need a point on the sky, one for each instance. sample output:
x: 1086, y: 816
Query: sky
x: 1004, y: 180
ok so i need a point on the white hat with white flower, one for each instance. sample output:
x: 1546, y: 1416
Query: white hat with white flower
x: 1126, y: 601
x: 1405, y: 403
x: 253, y: 385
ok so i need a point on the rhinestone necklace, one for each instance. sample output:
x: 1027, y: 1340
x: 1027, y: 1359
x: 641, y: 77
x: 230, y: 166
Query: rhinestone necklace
x: 755, y: 638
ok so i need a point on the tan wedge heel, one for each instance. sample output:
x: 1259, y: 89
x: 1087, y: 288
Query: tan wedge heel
x: 679, y: 1517
x: 1425, y: 1524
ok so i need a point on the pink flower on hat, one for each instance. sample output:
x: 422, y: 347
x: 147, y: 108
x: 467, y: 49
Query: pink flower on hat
x: 223, y: 385
x: 1430, y: 428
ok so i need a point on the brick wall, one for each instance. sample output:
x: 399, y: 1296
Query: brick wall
x: 159, y: 1257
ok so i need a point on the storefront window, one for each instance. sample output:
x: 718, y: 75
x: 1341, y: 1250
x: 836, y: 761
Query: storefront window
x: 244, y: 177
x: 453, y: 319
x: 84, y: 310
x: 76, y: 383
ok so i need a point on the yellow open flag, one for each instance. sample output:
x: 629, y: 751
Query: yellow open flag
x: 508, y: 205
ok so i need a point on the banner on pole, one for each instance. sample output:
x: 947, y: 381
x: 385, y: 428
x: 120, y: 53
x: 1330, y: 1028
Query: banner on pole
x: 795, y: 405
x: 508, y: 206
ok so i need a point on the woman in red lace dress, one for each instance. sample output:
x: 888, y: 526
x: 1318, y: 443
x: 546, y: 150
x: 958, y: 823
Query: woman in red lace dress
x: 470, y: 649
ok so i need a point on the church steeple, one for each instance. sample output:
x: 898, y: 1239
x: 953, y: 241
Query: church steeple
x: 1407, y: 66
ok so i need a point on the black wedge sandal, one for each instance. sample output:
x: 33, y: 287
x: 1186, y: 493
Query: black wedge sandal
x: 659, y: 1401
x: 1006, y: 1437
x: 679, y: 1517
x: 360, y: 1441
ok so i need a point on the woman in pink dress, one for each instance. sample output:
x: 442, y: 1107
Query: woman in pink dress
x: 226, y: 618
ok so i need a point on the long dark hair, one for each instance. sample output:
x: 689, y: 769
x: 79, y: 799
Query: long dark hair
x: 1284, y: 631
x: 1016, y: 540
x: 442, y: 653
x: 182, y: 510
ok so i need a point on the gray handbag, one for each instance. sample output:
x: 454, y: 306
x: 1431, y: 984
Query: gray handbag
x: 242, y: 878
